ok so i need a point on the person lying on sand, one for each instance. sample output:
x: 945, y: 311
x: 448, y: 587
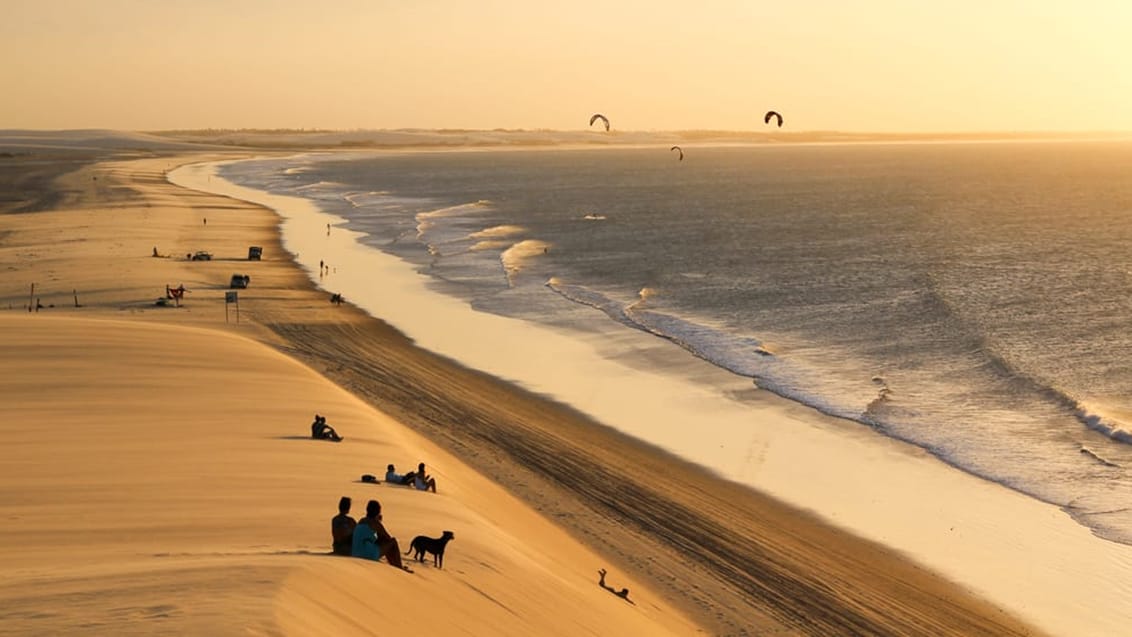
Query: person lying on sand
x: 371, y: 540
x: 392, y: 477
x: 623, y: 593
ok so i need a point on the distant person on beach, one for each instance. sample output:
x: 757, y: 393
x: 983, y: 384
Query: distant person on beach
x: 342, y: 528
x: 392, y: 477
x: 422, y: 480
x: 623, y: 593
x: 322, y: 431
x: 371, y: 541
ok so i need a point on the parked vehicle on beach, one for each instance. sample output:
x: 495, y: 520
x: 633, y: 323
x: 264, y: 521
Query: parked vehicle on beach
x: 255, y: 253
x: 239, y: 281
x: 200, y: 255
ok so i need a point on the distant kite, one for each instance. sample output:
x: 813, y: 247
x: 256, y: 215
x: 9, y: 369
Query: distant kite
x: 603, y: 118
x: 770, y: 114
x: 680, y: 150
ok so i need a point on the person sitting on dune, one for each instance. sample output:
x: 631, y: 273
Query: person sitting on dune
x: 371, y: 541
x: 322, y: 431
x: 422, y: 480
x: 342, y: 528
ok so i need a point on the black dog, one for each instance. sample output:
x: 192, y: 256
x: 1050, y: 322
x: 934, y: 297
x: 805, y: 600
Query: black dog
x: 434, y: 545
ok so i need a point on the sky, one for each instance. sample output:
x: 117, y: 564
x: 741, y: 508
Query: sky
x: 864, y: 66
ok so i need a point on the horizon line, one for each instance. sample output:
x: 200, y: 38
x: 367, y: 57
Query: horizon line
x: 612, y: 133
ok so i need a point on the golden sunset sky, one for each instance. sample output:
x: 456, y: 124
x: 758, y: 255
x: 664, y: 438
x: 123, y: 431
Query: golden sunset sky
x: 872, y: 65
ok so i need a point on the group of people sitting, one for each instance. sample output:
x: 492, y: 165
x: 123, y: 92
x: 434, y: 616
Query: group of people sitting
x: 419, y: 478
x: 366, y: 538
x: 322, y: 431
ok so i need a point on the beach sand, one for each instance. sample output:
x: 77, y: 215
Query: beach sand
x: 159, y: 477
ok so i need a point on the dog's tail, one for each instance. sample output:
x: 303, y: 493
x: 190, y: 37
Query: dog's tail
x: 410, y: 549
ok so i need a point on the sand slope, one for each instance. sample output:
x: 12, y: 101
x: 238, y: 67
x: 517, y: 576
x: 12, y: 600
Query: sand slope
x: 168, y: 446
x: 158, y: 479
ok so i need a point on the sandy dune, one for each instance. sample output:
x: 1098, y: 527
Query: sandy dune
x: 170, y: 445
x: 158, y: 478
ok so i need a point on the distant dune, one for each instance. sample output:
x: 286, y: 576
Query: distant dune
x: 423, y: 138
x: 18, y: 142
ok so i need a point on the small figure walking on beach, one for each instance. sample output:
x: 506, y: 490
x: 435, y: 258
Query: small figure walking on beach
x: 328, y: 229
x: 623, y: 593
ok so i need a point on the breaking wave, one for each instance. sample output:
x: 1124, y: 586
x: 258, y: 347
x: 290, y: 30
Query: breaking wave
x: 515, y: 258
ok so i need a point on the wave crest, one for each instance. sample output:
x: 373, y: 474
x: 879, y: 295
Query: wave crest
x: 515, y: 258
x: 498, y: 231
x: 1115, y: 430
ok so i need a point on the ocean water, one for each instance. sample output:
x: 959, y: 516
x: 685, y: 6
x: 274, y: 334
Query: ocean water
x: 971, y: 299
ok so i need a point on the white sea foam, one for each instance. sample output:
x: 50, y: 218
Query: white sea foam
x: 364, y: 199
x: 448, y: 224
x: 319, y: 185
x: 516, y: 257
x: 1111, y: 428
x: 453, y: 211
x: 498, y: 231
x: 744, y: 355
x: 491, y: 244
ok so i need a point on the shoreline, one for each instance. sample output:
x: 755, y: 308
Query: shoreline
x: 323, y: 358
x: 980, y: 534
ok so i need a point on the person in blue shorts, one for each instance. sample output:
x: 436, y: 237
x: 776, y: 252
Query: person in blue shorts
x: 372, y: 542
